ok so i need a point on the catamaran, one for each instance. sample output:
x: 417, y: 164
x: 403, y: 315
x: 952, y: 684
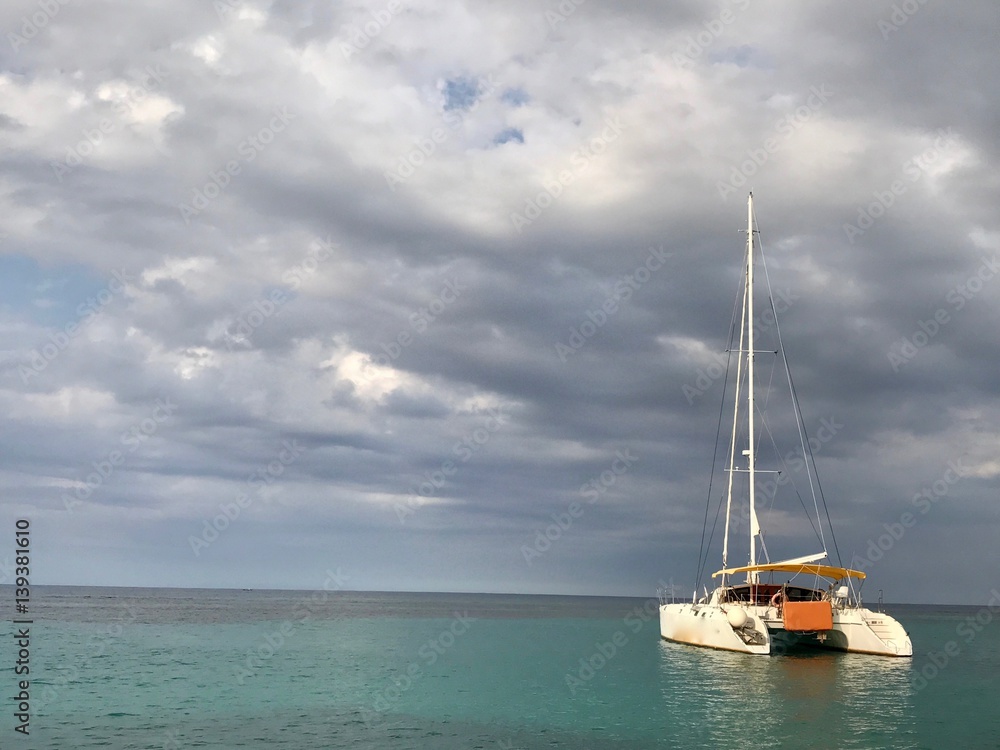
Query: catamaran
x: 803, y: 601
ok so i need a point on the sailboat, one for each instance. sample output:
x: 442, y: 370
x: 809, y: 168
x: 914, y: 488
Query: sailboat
x: 764, y: 606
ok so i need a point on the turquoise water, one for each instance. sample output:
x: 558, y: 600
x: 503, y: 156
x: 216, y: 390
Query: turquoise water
x: 147, y: 668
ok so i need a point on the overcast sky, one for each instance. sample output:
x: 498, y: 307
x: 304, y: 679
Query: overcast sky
x: 393, y: 288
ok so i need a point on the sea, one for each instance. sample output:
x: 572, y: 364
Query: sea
x: 197, y: 668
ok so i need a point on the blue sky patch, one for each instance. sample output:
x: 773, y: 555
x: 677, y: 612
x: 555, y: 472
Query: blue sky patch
x: 515, y: 97
x: 507, y: 135
x: 460, y: 93
x: 48, y: 296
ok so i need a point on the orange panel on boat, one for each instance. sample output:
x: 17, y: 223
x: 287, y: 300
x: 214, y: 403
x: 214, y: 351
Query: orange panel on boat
x: 804, y: 617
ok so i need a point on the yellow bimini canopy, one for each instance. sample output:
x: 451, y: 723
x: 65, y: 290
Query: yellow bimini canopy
x: 825, y: 571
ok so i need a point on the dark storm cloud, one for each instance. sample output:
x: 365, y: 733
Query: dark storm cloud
x: 464, y: 256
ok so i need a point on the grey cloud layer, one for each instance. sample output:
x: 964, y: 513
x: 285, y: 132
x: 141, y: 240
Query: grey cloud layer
x: 301, y: 296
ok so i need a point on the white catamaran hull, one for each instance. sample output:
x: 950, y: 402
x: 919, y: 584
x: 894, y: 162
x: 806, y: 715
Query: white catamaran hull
x: 855, y: 629
x: 709, y: 626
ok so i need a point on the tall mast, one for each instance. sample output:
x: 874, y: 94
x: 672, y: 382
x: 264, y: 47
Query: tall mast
x: 754, y: 529
x: 736, y: 421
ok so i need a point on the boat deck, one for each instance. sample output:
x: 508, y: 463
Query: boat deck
x: 762, y: 593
